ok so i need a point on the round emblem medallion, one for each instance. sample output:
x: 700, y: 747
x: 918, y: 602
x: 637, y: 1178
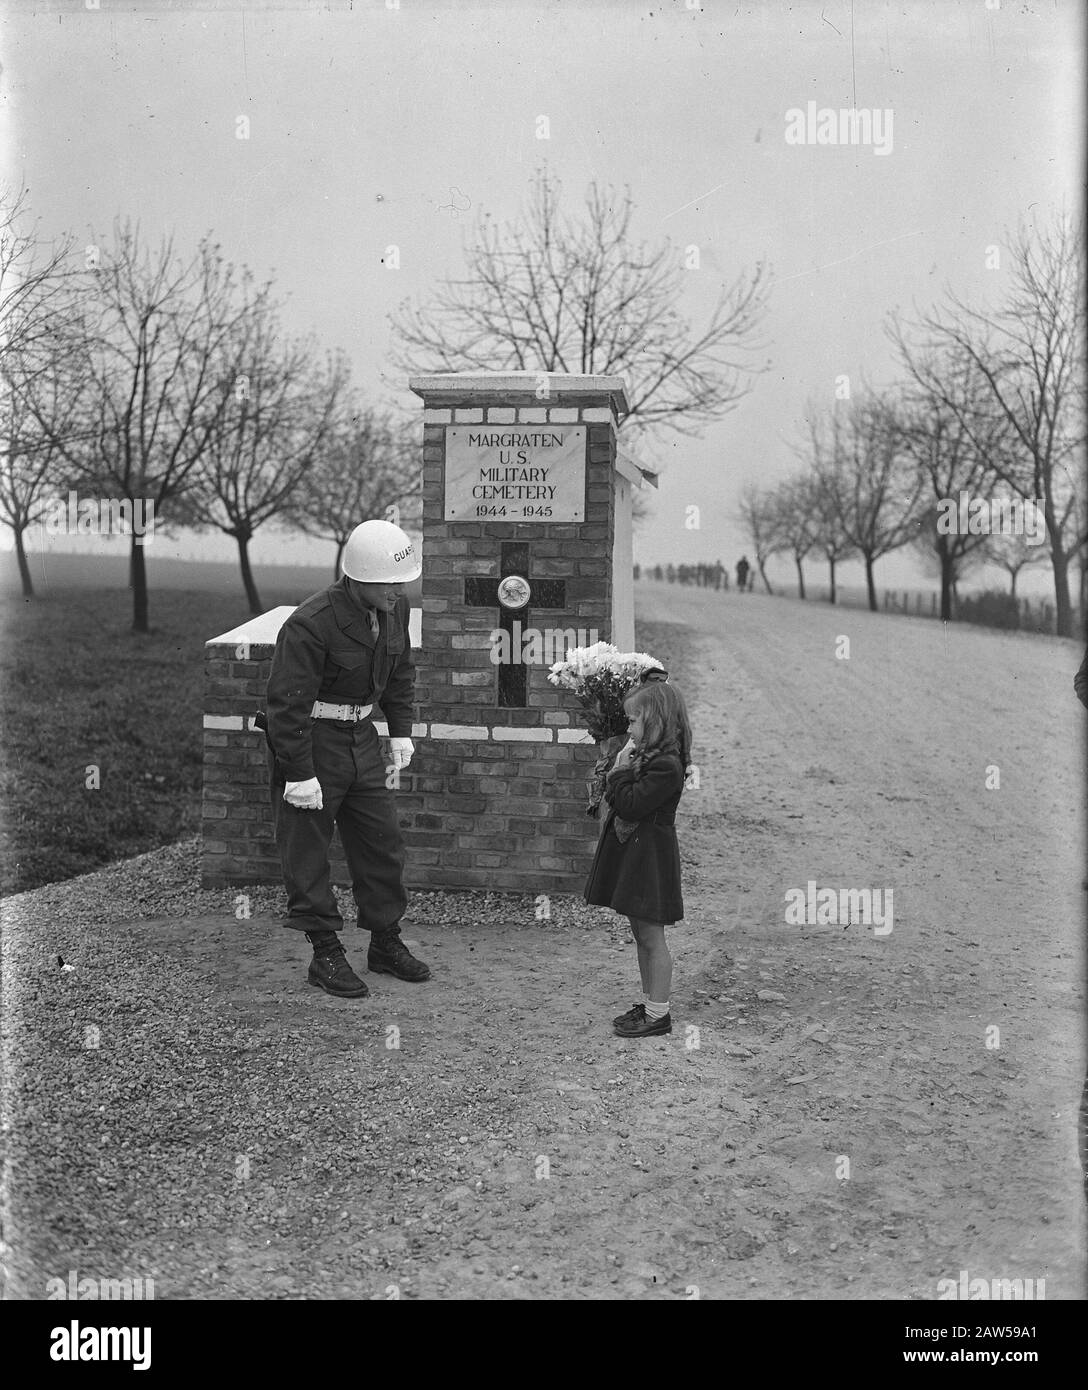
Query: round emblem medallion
x: 514, y: 592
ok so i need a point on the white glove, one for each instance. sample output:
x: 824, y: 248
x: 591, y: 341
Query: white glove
x: 305, y: 795
x: 402, y: 750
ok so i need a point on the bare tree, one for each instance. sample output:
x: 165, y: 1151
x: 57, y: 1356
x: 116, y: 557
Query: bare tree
x: 366, y: 467
x: 948, y: 427
x: 1013, y: 555
x: 36, y: 298
x: 1030, y: 354
x: 949, y: 565
x: 792, y: 502
x: 34, y: 384
x: 279, y: 403
x: 36, y: 282
x: 828, y: 530
x: 868, y: 481
x: 153, y: 328
x: 759, y: 517
x: 553, y: 293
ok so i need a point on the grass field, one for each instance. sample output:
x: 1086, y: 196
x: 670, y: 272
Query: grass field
x: 79, y: 690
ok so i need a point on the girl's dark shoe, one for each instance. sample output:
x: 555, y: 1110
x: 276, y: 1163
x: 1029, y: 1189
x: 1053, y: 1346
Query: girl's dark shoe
x: 643, y: 1027
x: 633, y: 1014
x: 330, y: 971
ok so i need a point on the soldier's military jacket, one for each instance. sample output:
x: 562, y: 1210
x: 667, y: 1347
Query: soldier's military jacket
x: 327, y: 651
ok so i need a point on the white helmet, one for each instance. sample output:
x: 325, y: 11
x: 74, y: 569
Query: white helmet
x: 377, y: 552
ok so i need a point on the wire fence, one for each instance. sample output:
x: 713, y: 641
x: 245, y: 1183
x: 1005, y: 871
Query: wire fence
x: 989, y: 608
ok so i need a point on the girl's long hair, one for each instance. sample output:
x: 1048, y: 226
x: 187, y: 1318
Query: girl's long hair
x: 667, y: 728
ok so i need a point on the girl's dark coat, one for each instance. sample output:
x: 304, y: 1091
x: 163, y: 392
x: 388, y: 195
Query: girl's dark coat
x: 642, y: 877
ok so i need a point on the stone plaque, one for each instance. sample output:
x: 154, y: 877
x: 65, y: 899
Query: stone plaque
x: 515, y: 473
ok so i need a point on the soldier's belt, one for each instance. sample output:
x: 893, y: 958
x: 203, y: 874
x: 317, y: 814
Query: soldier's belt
x: 323, y: 710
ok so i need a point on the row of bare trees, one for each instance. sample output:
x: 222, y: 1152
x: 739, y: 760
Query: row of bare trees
x: 150, y: 377
x: 990, y: 401
x: 168, y: 381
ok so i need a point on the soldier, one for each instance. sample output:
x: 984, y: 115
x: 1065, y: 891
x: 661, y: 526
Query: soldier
x: 340, y: 654
x: 742, y: 573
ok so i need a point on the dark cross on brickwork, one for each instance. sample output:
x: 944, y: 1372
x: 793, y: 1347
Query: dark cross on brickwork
x: 484, y: 593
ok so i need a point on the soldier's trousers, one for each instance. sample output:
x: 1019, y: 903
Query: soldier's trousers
x: 349, y: 766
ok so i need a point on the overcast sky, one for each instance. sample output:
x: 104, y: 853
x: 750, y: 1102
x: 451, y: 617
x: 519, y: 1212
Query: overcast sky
x: 372, y: 126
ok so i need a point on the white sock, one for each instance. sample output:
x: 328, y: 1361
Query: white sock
x: 656, y: 1011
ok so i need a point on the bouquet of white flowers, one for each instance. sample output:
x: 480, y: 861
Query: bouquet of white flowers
x: 602, y: 676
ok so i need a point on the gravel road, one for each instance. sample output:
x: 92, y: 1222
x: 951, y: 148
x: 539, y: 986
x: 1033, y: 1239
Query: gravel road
x: 834, y: 1115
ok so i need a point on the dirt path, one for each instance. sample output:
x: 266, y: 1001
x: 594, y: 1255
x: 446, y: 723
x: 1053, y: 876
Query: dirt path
x: 852, y: 1135
x: 872, y: 771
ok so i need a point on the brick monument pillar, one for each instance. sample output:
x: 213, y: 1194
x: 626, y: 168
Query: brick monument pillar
x: 520, y: 487
x: 526, y: 553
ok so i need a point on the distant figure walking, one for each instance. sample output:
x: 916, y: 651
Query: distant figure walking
x: 742, y: 573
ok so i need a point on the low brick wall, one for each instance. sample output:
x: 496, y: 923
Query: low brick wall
x: 480, y: 807
x: 236, y: 813
x: 505, y: 811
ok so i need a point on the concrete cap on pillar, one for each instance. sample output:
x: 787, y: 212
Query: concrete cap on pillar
x: 560, y: 384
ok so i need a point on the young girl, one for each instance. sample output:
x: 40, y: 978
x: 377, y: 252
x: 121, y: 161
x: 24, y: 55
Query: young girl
x: 636, y: 869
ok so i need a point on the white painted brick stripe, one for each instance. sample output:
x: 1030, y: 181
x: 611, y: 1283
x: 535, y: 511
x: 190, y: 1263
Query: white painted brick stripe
x: 263, y: 631
x: 479, y: 732
x: 239, y: 721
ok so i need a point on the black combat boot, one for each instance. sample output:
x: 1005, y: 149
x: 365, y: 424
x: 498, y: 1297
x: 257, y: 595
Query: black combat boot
x: 388, y: 955
x: 329, y: 969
